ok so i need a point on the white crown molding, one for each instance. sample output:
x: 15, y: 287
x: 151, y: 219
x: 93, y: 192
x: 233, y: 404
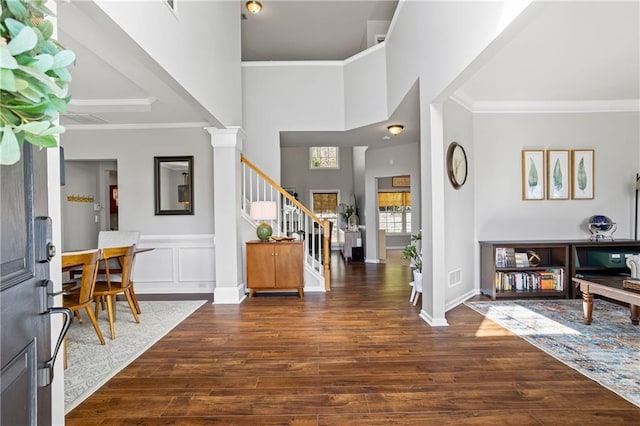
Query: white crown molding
x: 111, y: 105
x: 364, y: 53
x: 464, y: 101
x: 370, y: 50
x: 136, y: 126
x: 260, y: 64
x: 544, y: 107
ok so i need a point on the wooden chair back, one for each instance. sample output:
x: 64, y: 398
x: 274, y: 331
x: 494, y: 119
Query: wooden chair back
x: 124, y: 256
x: 88, y: 260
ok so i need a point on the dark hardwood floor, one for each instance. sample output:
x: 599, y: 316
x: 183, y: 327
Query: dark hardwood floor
x: 357, y: 355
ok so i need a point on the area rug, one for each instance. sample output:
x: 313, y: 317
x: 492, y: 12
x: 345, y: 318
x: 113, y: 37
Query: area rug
x: 90, y: 364
x: 605, y: 351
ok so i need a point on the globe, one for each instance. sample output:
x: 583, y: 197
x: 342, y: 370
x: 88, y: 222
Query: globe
x: 600, y: 222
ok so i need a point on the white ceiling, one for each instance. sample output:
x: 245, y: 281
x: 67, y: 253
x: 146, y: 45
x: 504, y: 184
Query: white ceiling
x: 304, y: 30
x: 571, y: 52
x: 586, y: 52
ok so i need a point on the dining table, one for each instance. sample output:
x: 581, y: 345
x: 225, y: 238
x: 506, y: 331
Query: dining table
x: 72, y: 285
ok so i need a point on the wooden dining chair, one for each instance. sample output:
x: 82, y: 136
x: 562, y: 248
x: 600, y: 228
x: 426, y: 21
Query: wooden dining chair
x: 81, y: 297
x: 111, y: 284
x: 120, y: 239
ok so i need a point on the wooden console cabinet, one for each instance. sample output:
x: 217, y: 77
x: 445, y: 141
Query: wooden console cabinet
x: 275, y: 266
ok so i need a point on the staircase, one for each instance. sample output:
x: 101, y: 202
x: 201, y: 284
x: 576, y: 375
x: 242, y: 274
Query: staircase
x: 293, y: 220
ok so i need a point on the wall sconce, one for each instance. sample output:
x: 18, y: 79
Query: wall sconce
x: 254, y: 6
x: 263, y: 210
x: 183, y: 191
x: 395, y: 129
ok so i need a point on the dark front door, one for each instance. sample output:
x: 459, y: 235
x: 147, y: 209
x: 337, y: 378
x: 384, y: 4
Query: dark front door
x: 24, y: 273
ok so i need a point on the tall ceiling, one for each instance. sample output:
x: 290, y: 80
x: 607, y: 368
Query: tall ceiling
x: 587, y: 51
x: 310, y: 30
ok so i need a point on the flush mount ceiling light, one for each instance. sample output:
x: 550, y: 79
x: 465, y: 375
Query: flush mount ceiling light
x: 254, y: 6
x: 395, y: 129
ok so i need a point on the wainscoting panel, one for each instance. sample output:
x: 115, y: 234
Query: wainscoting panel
x: 154, y: 266
x: 177, y: 264
x: 195, y: 264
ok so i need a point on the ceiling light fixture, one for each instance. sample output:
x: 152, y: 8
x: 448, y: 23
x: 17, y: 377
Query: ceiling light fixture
x: 254, y: 6
x: 395, y: 129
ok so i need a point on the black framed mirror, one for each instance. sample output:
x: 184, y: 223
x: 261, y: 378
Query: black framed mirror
x: 173, y: 185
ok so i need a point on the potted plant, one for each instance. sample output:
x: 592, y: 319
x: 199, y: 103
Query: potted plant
x: 413, y: 254
x: 33, y: 78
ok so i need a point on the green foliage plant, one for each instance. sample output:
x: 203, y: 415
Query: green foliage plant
x: 33, y: 78
x: 412, y: 251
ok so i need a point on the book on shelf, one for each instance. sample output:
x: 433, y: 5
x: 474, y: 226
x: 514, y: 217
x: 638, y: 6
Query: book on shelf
x: 505, y: 257
x: 551, y: 279
x: 522, y: 261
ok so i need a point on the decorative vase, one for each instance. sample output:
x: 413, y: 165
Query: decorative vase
x: 264, y: 231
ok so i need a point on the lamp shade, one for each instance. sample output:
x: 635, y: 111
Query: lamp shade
x: 263, y: 210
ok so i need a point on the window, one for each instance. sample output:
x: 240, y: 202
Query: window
x: 394, y: 212
x: 325, y: 205
x: 324, y: 157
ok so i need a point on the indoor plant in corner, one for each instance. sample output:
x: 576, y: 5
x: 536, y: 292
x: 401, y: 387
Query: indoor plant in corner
x: 412, y: 253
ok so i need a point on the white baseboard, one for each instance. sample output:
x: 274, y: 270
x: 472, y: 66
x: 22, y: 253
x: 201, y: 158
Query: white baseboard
x: 229, y: 295
x: 433, y: 322
x: 459, y: 300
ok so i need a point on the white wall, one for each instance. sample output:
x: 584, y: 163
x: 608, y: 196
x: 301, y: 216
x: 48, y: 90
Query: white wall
x: 79, y: 227
x: 365, y: 88
x: 199, y: 46
x: 499, y: 139
x: 134, y: 151
x: 459, y: 207
x: 297, y: 174
x: 288, y: 96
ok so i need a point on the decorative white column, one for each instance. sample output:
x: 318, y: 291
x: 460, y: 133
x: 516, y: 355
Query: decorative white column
x: 227, y: 177
x: 433, y: 296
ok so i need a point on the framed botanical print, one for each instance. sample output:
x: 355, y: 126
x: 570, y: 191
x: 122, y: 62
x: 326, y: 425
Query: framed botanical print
x: 582, y: 176
x: 558, y: 174
x: 533, y: 174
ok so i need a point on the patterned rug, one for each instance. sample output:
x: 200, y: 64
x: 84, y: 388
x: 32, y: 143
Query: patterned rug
x: 90, y: 364
x: 606, y: 351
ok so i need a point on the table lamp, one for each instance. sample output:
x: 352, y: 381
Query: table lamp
x: 263, y: 210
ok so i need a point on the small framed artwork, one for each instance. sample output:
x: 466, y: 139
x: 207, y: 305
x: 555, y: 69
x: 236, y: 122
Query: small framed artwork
x: 582, y: 179
x: 558, y: 174
x: 401, y: 181
x: 533, y: 174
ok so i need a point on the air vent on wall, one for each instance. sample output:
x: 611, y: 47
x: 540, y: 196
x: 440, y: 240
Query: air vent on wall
x: 85, y: 118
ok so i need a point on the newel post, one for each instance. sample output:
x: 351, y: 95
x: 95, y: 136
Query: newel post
x: 227, y: 177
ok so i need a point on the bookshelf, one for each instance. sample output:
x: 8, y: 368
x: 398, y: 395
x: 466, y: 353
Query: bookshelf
x: 524, y: 269
x: 576, y: 258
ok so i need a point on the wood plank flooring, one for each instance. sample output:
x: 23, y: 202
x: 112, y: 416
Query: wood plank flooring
x: 357, y: 355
